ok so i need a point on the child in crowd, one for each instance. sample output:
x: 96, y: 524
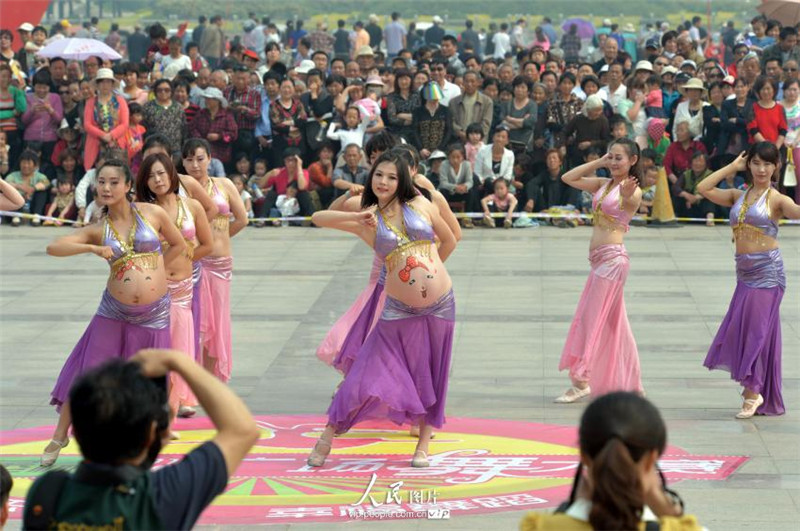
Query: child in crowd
x: 68, y: 138
x: 247, y: 199
x: 352, y: 131
x: 649, y: 180
x: 500, y: 201
x: 135, y: 136
x: 258, y: 179
x: 285, y: 206
x: 31, y: 184
x: 592, y: 154
x: 619, y: 127
x: 435, y: 161
x: 654, y: 100
x: 657, y: 138
x: 474, y: 142
x: 63, y: 207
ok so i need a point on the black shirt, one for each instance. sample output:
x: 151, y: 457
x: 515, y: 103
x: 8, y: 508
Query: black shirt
x: 341, y: 44
x: 182, y: 491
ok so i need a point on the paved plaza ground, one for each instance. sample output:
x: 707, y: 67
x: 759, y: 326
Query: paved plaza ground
x: 516, y: 291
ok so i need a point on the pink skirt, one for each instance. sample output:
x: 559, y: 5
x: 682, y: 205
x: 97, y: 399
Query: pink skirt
x: 331, y: 346
x: 181, y: 328
x: 600, y: 348
x: 215, y: 314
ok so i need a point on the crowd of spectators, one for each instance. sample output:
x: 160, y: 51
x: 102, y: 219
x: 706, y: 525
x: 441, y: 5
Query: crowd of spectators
x: 288, y: 111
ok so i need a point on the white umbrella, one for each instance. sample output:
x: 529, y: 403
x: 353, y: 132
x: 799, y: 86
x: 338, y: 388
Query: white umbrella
x: 79, y: 49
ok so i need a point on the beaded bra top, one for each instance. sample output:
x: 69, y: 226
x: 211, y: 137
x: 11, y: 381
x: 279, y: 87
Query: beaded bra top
x: 140, y: 250
x: 608, y: 212
x: 395, y: 244
x: 222, y: 219
x: 184, y: 221
x: 751, y: 221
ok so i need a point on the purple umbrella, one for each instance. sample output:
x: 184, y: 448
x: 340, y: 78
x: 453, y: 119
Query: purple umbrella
x: 79, y: 49
x: 585, y: 28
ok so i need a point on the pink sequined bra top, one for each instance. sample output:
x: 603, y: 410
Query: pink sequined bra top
x: 608, y: 212
x: 222, y: 220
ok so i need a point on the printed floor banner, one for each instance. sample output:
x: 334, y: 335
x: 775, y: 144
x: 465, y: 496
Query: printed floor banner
x: 477, y: 466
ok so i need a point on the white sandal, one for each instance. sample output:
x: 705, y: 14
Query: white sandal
x: 420, y: 460
x: 48, y: 458
x: 749, y: 407
x: 573, y: 394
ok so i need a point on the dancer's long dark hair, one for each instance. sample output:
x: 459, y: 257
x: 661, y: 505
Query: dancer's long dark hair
x: 766, y: 151
x: 616, y: 431
x: 405, y: 187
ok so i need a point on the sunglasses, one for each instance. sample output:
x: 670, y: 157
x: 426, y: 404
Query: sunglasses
x: 164, y: 90
x: 658, y: 63
x: 63, y: 92
x: 790, y: 69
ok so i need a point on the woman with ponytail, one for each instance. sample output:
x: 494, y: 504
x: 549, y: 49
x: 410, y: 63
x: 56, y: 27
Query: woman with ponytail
x: 134, y: 309
x: 618, y: 485
x: 600, y: 351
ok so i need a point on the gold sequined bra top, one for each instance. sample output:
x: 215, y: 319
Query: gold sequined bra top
x: 752, y: 222
x: 608, y: 212
x: 140, y: 251
x: 413, y: 238
x: 184, y: 221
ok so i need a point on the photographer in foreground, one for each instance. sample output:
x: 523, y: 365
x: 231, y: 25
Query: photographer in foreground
x: 121, y: 421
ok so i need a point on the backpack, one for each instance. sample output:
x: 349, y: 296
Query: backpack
x: 120, y: 497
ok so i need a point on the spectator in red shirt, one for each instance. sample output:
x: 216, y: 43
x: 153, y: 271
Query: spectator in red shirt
x: 767, y: 121
x: 277, y: 181
x: 679, y: 154
x: 320, y: 175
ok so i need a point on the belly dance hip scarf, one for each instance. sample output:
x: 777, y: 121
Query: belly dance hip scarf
x: 401, y: 372
x: 600, y: 348
x: 748, y: 342
x: 116, y: 331
x: 182, y: 335
x: 215, y: 323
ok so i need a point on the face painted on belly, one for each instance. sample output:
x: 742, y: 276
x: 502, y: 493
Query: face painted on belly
x: 417, y: 279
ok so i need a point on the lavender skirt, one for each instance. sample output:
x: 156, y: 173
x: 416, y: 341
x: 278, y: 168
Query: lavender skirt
x: 360, y: 330
x: 116, y: 331
x: 748, y: 342
x: 401, y: 371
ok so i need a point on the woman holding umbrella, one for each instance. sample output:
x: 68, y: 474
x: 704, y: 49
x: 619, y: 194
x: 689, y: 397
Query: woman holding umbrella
x: 105, y: 118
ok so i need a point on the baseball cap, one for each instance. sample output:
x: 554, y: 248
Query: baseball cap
x: 653, y: 43
x: 25, y: 26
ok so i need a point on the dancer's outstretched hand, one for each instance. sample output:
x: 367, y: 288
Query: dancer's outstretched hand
x: 628, y: 187
x: 155, y: 362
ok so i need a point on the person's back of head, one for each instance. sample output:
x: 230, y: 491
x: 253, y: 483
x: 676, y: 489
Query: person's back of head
x: 6, y: 484
x: 617, y: 432
x: 118, y: 414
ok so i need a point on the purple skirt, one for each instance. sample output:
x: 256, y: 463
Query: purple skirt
x: 197, y: 273
x: 116, y: 331
x: 359, y: 332
x: 401, y: 371
x: 748, y: 342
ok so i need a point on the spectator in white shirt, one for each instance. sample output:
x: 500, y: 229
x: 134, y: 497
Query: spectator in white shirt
x: 170, y: 65
x: 502, y: 42
x: 439, y: 74
x: 615, y: 91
